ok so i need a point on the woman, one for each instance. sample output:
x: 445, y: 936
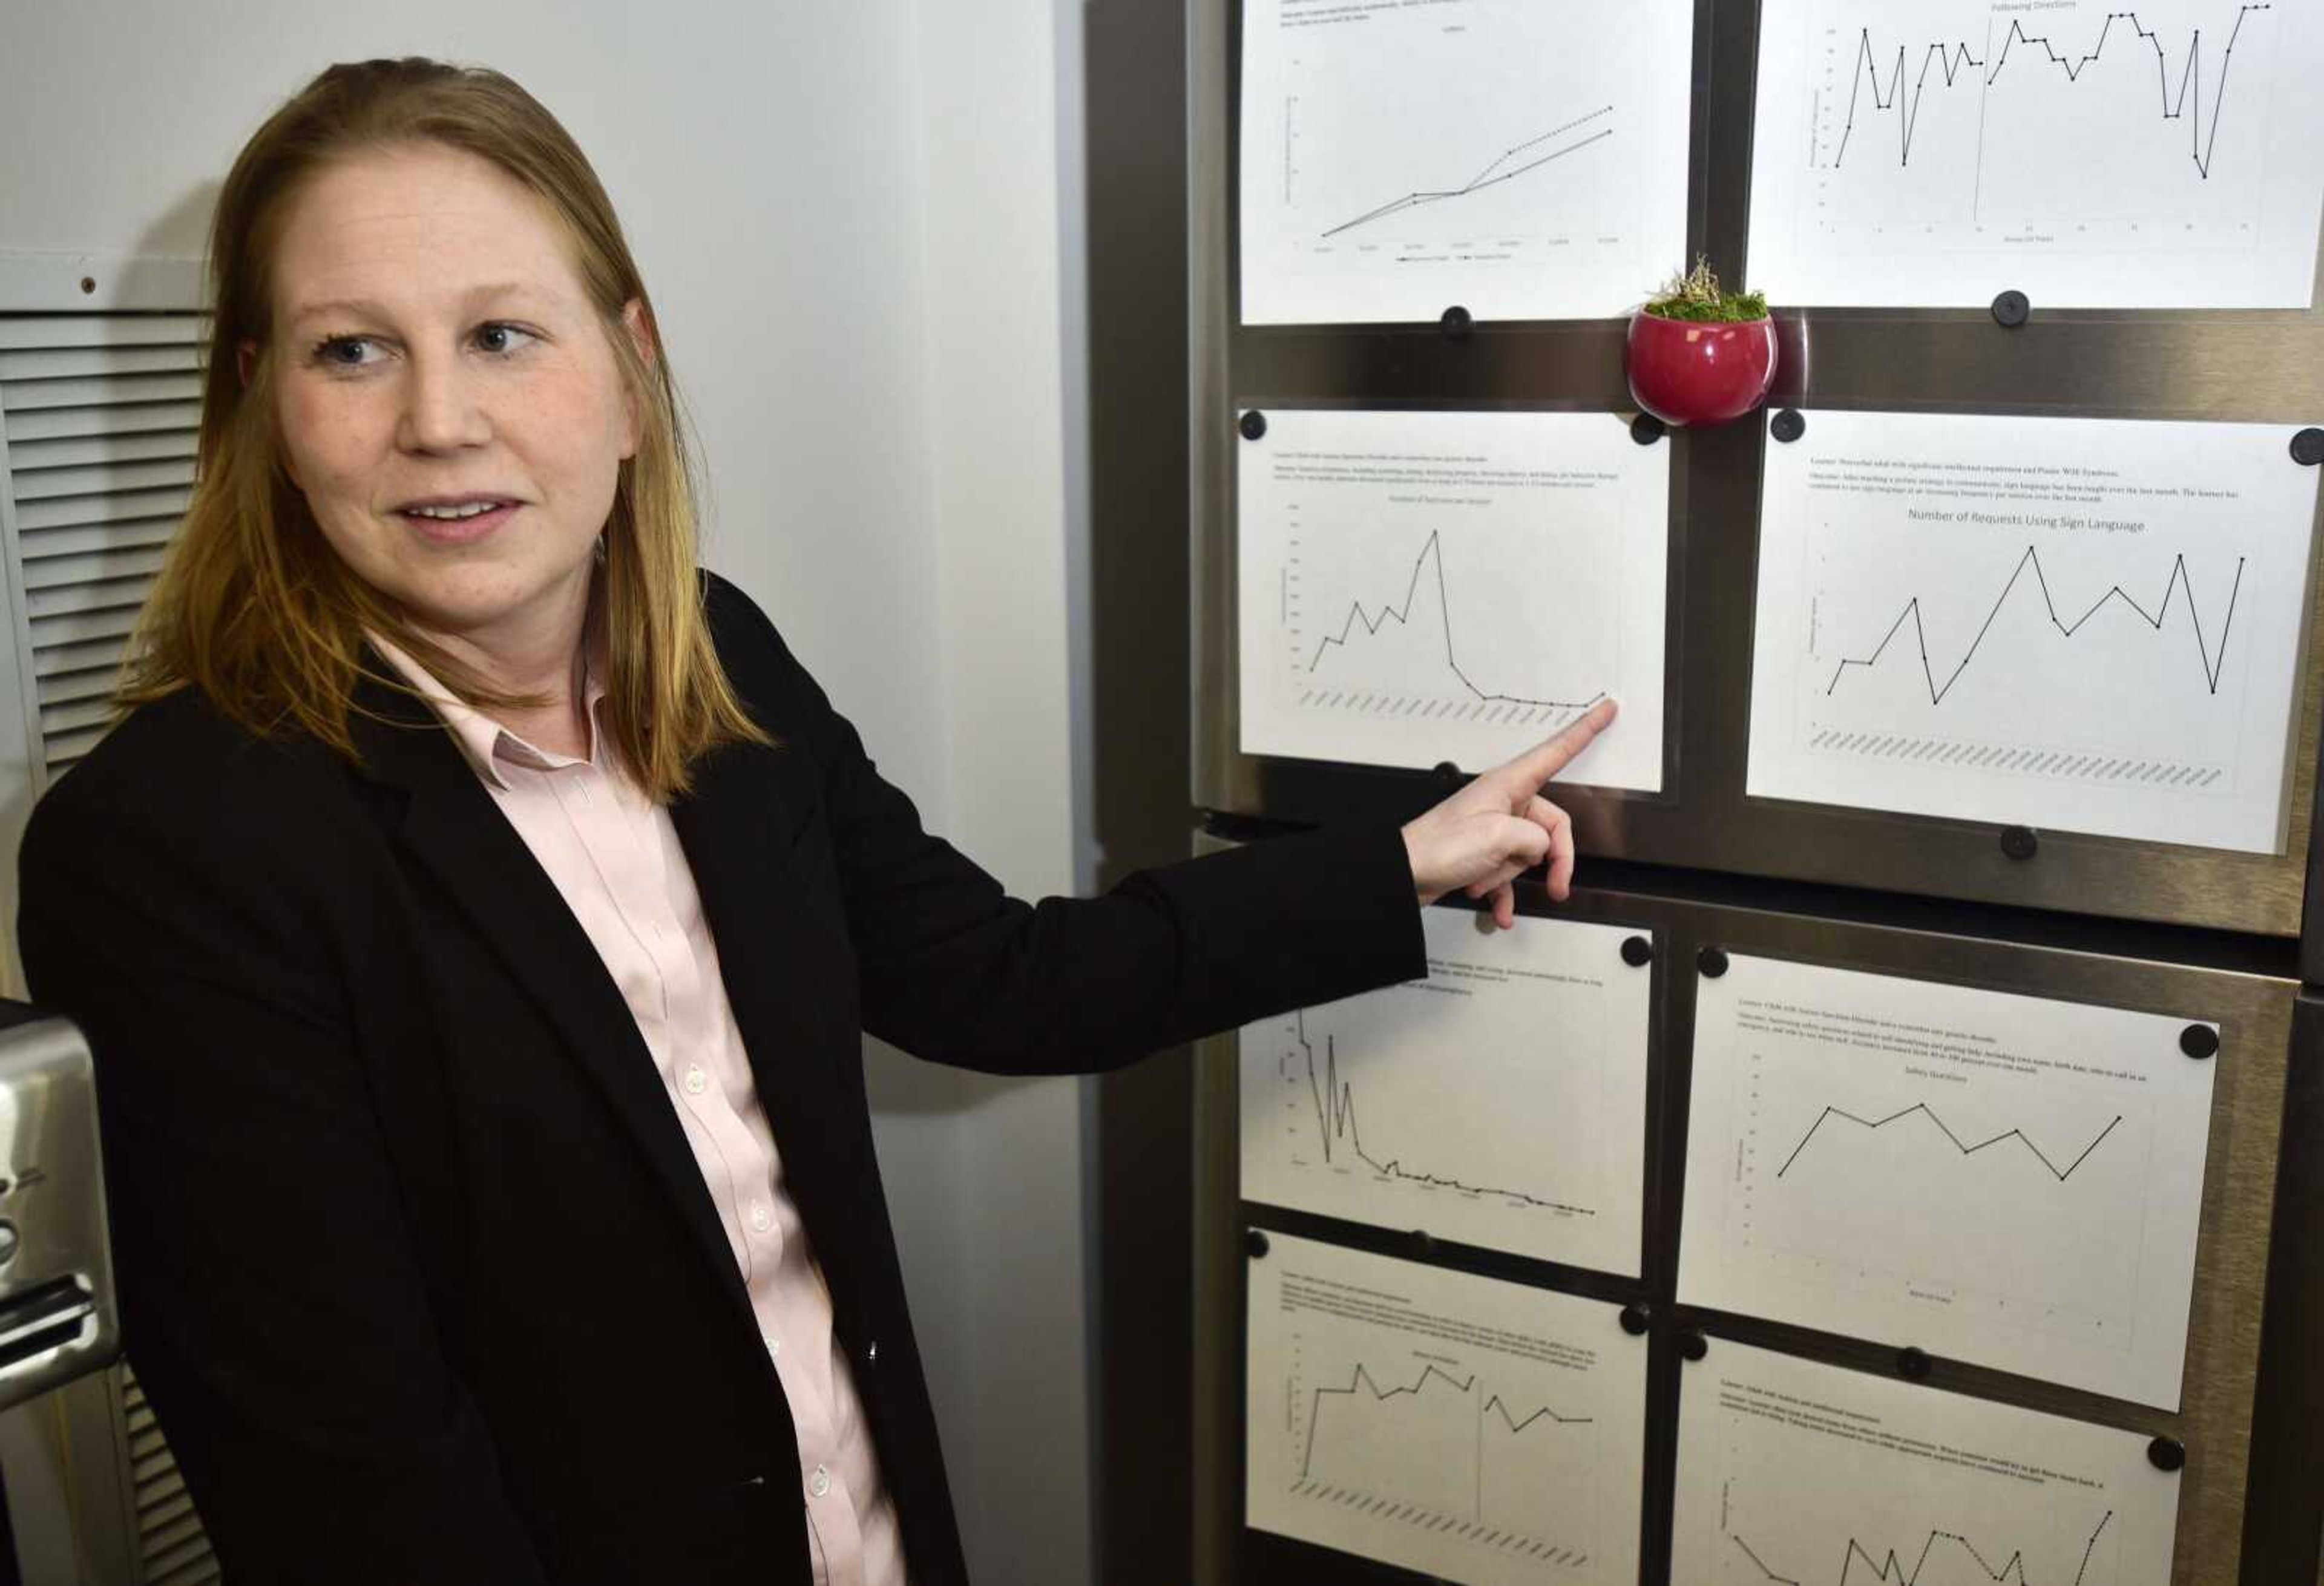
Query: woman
x: 475, y: 917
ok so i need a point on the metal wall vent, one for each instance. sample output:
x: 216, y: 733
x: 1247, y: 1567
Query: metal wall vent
x: 97, y: 419
x: 99, y: 415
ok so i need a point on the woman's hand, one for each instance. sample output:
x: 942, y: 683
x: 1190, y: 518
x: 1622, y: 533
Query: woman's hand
x: 1481, y: 838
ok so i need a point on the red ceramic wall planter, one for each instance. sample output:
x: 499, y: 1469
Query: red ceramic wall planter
x: 1689, y: 372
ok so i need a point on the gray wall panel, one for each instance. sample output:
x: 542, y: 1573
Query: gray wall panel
x: 1141, y: 1121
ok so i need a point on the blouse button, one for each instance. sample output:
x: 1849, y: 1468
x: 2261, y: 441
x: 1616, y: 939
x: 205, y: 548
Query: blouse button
x: 820, y: 1483
x: 760, y: 1218
x: 696, y: 1082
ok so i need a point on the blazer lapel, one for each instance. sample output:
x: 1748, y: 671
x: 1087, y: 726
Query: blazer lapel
x: 776, y: 940
x: 451, y: 825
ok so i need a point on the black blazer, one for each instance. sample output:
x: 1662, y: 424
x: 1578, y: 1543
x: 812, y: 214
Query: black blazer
x: 415, y: 1264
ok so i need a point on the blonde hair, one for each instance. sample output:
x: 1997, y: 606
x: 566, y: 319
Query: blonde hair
x: 255, y: 610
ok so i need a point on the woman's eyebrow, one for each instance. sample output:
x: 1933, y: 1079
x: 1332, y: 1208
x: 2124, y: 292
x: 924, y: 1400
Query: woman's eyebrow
x: 365, y: 307
x: 348, y: 308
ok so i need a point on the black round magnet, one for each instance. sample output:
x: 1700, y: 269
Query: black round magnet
x: 1912, y: 1363
x: 1422, y: 1243
x: 1448, y: 773
x: 1788, y: 426
x: 1253, y: 425
x: 1455, y: 323
x: 1254, y: 1243
x: 1638, y: 952
x: 2200, y: 1041
x: 2019, y: 841
x: 1693, y: 1346
x: 1635, y: 1321
x: 1647, y: 429
x: 2010, y: 309
x: 1711, y: 962
x: 2308, y: 447
x: 2167, y: 1453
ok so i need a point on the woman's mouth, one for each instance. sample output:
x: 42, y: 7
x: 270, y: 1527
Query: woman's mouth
x: 458, y: 522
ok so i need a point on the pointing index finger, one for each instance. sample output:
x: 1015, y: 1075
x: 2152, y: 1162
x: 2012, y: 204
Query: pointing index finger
x: 1538, y: 764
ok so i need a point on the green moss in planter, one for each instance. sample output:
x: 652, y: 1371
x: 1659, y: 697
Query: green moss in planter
x: 1696, y: 295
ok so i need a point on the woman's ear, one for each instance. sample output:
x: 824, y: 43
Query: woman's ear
x: 641, y: 338
x: 641, y: 330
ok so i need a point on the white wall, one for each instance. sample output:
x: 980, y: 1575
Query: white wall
x: 1005, y: 440
x: 849, y: 214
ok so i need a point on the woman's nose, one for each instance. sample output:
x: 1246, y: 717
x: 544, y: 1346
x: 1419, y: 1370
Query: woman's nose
x: 442, y: 406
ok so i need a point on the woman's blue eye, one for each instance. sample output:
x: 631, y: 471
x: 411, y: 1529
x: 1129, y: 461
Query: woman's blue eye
x: 495, y: 340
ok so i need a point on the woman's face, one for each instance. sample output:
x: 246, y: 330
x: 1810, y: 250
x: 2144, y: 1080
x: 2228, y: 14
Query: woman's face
x: 447, y: 401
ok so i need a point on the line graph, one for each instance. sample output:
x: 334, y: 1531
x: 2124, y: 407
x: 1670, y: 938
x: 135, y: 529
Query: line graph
x: 1336, y: 1129
x: 1501, y: 1103
x: 2155, y: 155
x: 1491, y: 176
x: 1463, y: 1427
x: 1975, y: 1171
x: 1890, y: 1568
x: 2000, y: 1177
x: 1429, y: 155
x: 1487, y: 1406
x: 1951, y: 62
x: 2185, y: 102
x: 1414, y: 587
x: 2212, y: 661
x: 2093, y: 625
x: 1923, y: 1109
x: 1791, y: 1472
x: 1998, y: 1203
x: 1761, y: 1564
x: 1445, y: 1452
x: 1433, y: 551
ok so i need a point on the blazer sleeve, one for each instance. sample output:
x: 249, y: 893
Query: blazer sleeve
x: 273, y: 1302
x: 953, y: 969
